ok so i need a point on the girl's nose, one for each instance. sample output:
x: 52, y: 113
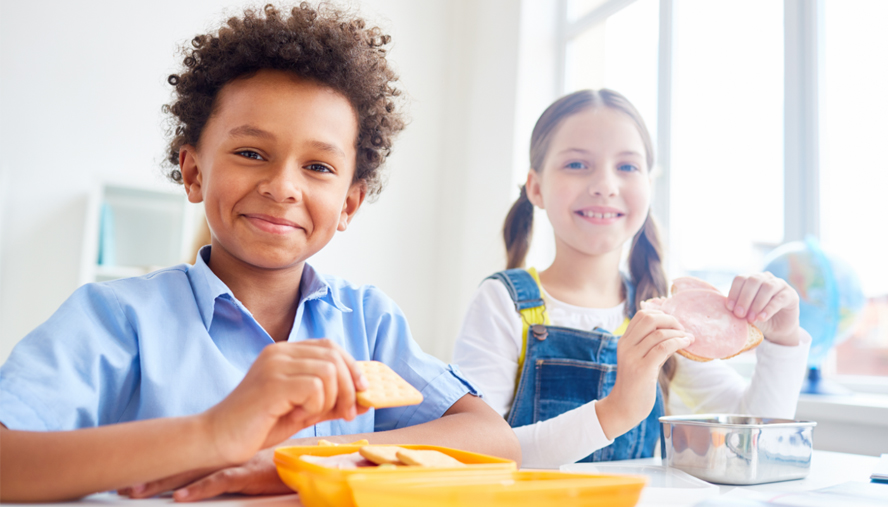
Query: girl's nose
x: 604, y: 184
x: 282, y: 183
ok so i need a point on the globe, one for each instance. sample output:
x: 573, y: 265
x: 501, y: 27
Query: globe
x: 831, y: 300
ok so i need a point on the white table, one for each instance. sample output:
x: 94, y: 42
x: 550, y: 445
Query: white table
x: 827, y: 469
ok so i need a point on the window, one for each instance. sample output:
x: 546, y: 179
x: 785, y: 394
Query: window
x: 853, y: 171
x: 726, y: 172
x: 767, y: 118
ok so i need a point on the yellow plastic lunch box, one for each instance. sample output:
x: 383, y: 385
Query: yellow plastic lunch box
x: 486, y: 480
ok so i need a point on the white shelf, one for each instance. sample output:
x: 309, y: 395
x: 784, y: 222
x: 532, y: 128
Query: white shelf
x: 131, y: 231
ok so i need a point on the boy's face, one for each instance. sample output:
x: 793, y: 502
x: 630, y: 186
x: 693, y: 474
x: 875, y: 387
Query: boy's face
x: 274, y: 169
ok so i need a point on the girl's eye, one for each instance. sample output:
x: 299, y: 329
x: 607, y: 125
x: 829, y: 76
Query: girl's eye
x: 628, y: 168
x: 250, y: 154
x: 575, y: 165
x: 321, y: 168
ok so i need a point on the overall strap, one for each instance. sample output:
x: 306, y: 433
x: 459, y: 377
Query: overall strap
x: 525, y: 290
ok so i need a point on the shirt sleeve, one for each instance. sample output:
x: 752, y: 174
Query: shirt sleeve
x: 78, y: 369
x: 715, y: 387
x: 487, y: 350
x: 441, y: 384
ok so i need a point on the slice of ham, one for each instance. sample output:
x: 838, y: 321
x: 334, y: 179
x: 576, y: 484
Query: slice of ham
x: 689, y: 283
x: 700, y: 308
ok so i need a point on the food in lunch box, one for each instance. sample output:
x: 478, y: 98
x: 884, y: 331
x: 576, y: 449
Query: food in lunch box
x: 419, y: 458
x: 386, y: 388
x: 322, y: 442
x: 384, y: 456
x: 700, y: 308
x: 339, y: 461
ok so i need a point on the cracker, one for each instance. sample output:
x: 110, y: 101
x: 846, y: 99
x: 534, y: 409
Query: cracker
x: 382, y: 454
x: 386, y: 388
x: 427, y: 458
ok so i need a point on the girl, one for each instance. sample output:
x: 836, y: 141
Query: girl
x: 545, y: 347
x: 177, y: 379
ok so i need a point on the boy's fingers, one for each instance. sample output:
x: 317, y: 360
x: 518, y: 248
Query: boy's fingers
x: 358, y: 379
x: 223, y: 481
x: 157, y: 487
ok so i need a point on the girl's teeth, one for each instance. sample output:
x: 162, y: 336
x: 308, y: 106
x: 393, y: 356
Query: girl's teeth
x: 599, y: 215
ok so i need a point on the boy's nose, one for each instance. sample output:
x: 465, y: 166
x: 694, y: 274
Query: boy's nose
x: 282, y: 183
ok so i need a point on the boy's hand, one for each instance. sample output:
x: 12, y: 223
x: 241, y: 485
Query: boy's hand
x: 769, y: 303
x: 255, y: 477
x: 290, y: 387
x: 650, y: 339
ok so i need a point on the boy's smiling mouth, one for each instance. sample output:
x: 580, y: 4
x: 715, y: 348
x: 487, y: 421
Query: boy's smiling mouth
x: 270, y: 223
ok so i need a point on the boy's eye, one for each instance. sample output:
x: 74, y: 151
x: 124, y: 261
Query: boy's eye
x: 575, y: 165
x: 628, y: 167
x: 321, y: 168
x: 250, y: 154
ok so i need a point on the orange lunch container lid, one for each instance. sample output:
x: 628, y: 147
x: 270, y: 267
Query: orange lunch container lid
x: 493, y: 488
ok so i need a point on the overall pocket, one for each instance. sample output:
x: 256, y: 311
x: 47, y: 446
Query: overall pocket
x: 565, y: 384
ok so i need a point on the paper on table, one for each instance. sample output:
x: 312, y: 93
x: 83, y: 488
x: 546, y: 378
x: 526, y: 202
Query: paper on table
x: 880, y: 474
x: 847, y: 494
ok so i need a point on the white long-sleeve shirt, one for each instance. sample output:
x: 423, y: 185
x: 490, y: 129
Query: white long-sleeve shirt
x: 489, y: 343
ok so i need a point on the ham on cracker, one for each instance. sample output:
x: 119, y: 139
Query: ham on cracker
x: 700, y: 308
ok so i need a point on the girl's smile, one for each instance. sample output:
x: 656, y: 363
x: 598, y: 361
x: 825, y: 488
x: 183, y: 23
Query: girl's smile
x: 602, y: 215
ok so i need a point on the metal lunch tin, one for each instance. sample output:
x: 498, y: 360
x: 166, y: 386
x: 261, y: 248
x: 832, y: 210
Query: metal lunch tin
x: 737, y: 449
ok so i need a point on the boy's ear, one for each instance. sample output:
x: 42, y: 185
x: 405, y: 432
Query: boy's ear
x: 353, y: 200
x: 192, y: 178
x: 532, y: 188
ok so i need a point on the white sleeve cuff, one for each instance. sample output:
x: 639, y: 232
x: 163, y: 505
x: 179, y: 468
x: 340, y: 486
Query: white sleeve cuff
x: 566, y: 438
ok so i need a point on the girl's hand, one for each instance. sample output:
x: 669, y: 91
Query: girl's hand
x: 650, y: 339
x: 290, y: 387
x: 769, y: 303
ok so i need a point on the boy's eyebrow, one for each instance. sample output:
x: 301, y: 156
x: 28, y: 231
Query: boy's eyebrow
x: 250, y: 131
x: 331, y: 148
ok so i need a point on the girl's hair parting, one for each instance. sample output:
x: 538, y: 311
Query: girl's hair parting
x: 646, y: 253
x: 328, y: 46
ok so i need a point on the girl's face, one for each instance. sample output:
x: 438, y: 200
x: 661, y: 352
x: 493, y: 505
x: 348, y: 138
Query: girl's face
x: 595, y: 184
x: 274, y: 169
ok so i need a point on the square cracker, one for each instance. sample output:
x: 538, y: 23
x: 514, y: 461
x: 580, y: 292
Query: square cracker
x: 427, y: 458
x: 386, y: 388
x: 382, y: 454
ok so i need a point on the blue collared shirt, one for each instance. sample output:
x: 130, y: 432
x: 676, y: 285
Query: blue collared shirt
x: 176, y: 342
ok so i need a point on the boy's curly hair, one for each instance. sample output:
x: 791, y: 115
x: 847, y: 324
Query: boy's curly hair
x: 323, y: 44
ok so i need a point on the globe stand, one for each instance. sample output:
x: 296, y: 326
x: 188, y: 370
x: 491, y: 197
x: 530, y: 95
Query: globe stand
x: 816, y: 384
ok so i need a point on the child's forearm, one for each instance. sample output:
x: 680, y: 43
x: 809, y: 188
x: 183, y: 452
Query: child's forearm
x: 51, y: 466
x: 469, y: 425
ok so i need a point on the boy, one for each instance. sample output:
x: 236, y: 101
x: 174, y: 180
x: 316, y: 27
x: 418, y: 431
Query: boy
x: 281, y: 123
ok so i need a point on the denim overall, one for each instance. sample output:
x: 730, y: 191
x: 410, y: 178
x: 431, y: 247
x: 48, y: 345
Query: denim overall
x: 565, y: 368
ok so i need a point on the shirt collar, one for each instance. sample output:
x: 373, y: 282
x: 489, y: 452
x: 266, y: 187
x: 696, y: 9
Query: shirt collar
x: 208, y: 288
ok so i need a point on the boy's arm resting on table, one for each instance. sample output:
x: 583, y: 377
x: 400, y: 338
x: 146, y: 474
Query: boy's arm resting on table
x: 290, y: 386
x: 469, y: 424
x: 63, y: 465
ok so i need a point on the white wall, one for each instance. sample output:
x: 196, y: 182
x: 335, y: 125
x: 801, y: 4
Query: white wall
x: 81, y: 85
